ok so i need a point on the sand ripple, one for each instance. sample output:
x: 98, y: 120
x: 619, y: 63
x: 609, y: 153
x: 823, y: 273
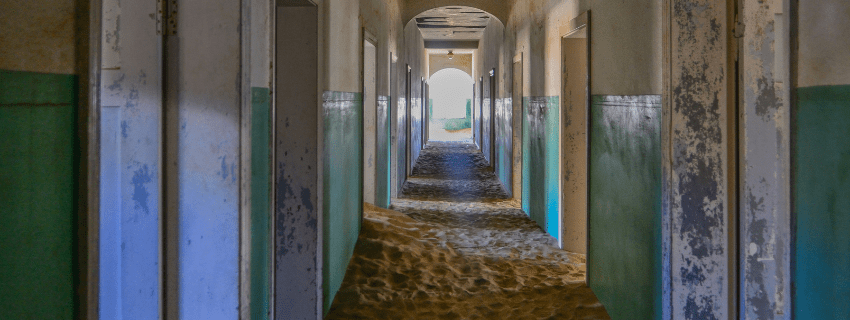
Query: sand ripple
x: 456, y: 259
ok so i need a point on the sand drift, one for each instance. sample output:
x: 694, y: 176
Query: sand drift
x: 454, y: 247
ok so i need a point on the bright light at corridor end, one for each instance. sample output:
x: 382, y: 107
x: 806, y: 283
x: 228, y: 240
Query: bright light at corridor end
x: 450, y: 89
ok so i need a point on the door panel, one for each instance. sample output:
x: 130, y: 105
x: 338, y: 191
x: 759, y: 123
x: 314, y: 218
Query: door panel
x: 131, y: 153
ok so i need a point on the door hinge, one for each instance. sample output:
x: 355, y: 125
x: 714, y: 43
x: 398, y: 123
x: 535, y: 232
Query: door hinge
x: 738, y: 29
x: 170, y: 17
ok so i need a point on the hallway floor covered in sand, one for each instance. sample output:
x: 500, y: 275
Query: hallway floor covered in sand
x: 455, y: 247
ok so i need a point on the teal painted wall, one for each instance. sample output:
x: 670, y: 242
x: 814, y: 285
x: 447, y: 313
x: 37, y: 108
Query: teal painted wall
x: 624, y: 260
x: 383, y: 156
x: 343, y: 181
x: 540, y: 161
x: 260, y: 211
x: 821, y: 197
x: 37, y: 194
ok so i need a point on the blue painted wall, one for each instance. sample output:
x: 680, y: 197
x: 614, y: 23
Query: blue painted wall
x: 821, y: 198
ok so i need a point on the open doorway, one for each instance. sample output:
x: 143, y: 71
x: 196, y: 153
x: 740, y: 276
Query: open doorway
x: 450, y: 106
x: 370, y: 103
x: 296, y: 112
x: 575, y: 84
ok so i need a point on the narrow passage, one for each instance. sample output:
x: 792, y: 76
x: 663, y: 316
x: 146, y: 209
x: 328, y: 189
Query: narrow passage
x: 455, y: 247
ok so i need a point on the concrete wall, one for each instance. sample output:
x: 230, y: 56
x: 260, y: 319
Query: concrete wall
x: 38, y: 163
x: 821, y: 163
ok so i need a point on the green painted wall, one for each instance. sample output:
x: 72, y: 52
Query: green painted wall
x: 260, y: 177
x: 821, y: 197
x: 624, y: 260
x: 37, y: 194
x: 343, y: 185
x: 540, y: 161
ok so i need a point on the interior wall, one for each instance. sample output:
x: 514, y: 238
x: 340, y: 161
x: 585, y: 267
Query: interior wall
x: 574, y: 144
x: 131, y: 126
x: 262, y: 12
x: 625, y: 70
x: 821, y: 172
x: 417, y: 58
x: 297, y: 230
x: 342, y: 122
x: 39, y: 160
x: 208, y: 103
x: 764, y: 260
x: 696, y: 166
x: 370, y: 116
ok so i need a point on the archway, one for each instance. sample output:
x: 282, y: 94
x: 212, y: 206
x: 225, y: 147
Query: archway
x: 450, y: 106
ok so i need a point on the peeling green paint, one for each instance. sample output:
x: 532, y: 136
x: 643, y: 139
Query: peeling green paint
x: 343, y: 181
x: 821, y: 197
x: 38, y: 192
x: 260, y: 211
x: 624, y: 258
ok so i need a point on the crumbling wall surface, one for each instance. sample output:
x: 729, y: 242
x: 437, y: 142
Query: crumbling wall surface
x: 765, y: 164
x: 698, y: 199
x: 821, y: 156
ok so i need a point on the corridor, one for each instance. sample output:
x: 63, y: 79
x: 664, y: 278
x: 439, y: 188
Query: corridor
x: 455, y: 247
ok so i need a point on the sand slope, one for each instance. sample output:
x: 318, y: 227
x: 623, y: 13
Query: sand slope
x: 451, y: 259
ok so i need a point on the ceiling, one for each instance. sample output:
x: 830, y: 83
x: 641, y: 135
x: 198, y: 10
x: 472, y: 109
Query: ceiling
x: 452, y: 23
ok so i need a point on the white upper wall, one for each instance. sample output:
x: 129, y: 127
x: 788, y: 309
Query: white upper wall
x: 824, y: 42
x: 625, y: 44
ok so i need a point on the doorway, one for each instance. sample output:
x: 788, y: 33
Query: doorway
x: 516, y: 122
x: 574, y: 139
x: 296, y: 112
x: 370, y: 117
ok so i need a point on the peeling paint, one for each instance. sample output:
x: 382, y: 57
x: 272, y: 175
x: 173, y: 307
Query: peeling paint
x: 140, y: 193
x: 699, y: 206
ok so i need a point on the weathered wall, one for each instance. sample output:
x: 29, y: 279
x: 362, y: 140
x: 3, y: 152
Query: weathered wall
x: 297, y: 222
x: 37, y: 130
x: 261, y: 174
x: 208, y: 102
x: 625, y: 205
x: 370, y: 117
x: 574, y: 144
x: 822, y: 161
x: 38, y: 36
x: 439, y: 61
x: 131, y: 126
x: 341, y: 121
x: 540, y: 162
x: 764, y: 138
x: 39, y: 159
x: 696, y: 162
x: 417, y: 58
